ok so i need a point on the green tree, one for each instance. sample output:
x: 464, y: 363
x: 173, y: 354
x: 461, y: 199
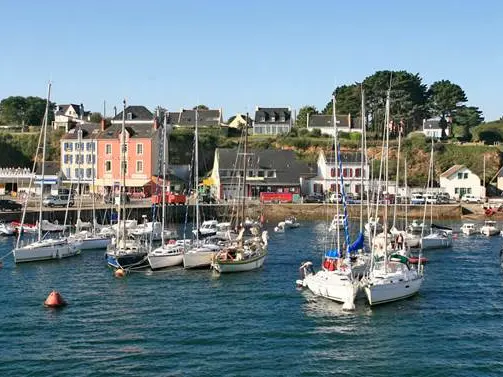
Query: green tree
x: 468, y: 117
x: 301, y: 121
x: 25, y: 111
x: 348, y: 100
x: 444, y: 98
x: 201, y: 107
x: 96, y: 117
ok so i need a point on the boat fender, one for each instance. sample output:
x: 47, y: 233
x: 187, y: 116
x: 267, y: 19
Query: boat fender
x: 331, y: 265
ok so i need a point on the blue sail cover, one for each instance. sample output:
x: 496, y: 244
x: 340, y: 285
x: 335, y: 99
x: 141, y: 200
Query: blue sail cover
x: 332, y: 254
x: 358, y: 244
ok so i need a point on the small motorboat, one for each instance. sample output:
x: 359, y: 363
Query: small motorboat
x: 280, y: 228
x: 489, y: 228
x: 291, y: 222
x: 6, y: 229
x: 468, y: 229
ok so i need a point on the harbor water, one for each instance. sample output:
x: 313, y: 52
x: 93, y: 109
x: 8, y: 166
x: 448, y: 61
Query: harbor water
x: 197, y: 323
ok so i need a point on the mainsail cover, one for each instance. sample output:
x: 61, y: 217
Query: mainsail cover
x: 358, y: 244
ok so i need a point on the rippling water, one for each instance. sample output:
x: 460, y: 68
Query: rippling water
x: 195, y: 323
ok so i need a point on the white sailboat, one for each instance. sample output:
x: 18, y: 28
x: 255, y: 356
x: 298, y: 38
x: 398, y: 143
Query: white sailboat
x: 42, y: 248
x: 168, y: 254
x: 440, y: 237
x: 335, y: 279
x: 85, y: 233
x: 201, y: 254
x: 243, y: 254
x: 389, y: 279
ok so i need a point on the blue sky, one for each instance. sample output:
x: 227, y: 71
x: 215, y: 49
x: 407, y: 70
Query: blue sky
x: 237, y: 55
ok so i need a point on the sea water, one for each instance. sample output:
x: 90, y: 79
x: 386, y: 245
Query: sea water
x: 197, y: 323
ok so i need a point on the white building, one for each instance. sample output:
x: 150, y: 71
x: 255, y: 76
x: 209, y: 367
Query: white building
x: 272, y: 120
x: 431, y: 128
x: 459, y: 180
x: 67, y: 116
x: 78, y: 156
x: 326, y: 179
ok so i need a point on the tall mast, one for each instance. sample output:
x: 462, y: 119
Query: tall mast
x: 164, y: 163
x: 94, y: 163
x: 245, y: 155
x: 122, y: 180
x: 196, y: 174
x: 386, y: 172
x: 44, y: 130
x: 79, y: 140
x: 396, y: 178
x: 337, y: 174
x: 362, y: 166
x: 406, y: 193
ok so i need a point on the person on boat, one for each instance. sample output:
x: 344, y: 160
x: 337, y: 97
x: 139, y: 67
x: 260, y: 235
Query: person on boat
x: 399, y: 241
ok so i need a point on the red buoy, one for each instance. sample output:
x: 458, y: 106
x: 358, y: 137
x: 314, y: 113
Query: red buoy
x: 119, y: 273
x: 54, y: 300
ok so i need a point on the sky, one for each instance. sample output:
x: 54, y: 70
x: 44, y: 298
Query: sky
x: 237, y: 55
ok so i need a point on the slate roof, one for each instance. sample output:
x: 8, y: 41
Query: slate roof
x: 269, y: 112
x: 89, y: 131
x: 346, y: 158
x: 187, y: 118
x: 138, y: 113
x: 61, y: 109
x: 51, y: 168
x: 323, y: 121
x: 431, y: 124
x: 452, y: 170
x: 288, y: 168
x: 138, y: 130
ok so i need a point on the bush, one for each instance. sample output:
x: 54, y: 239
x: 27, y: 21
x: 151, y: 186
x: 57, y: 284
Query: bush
x: 316, y: 132
x: 303, y: 132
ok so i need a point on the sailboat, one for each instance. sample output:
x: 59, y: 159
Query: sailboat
x: 88, y: 239
x: 391, y: 277
x: 123, y: 252
x: 335, y: 279
x: 42, y: 248
x: 440, y: 237
x: 200, y: 254
x: 168, y: 254
x: 243, y: 254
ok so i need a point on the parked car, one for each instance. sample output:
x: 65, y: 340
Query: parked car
x: 334, y: 198
x: 431, y: 198
x: 313, y: 199
x: 417, y: 199
x: 443, y: 198
x: 10, y: 205
x: 58, y: 201
x: 470, y: 198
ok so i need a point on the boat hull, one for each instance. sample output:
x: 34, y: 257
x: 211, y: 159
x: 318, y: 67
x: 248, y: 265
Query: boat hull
x: 163, y: 258
x: 240, y: 266
x: 435, y: 243
x: 132, y: 260
x: 389, y: 292
x: 93, y: 243
x: 332, y: 285
x: 44, y: 250
x: 489, y: 231
x: 199, y: 258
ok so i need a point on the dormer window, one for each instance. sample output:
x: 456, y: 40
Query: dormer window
x: 273, y: 118
x: 282, y: 118
x: 129, y: 116
x: 262, y: 118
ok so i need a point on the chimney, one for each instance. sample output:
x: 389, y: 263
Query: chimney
x: 307, y: 121
x: 349, y: 121
x: 156, y: 123
x: 103, y: 124
x: 115, y: 111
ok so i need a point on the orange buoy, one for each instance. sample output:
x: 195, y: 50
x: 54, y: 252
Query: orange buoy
x: 119, y: 273
x: 54, y: 300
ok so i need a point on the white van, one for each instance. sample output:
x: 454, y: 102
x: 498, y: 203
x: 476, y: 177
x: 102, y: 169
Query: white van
x: 417, y: 199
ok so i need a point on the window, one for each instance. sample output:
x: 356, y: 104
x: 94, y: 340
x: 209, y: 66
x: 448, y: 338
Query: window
x: 456, y: 190
x: 89, y: 173
x: 70, y: 159
x: 332, y: 172
x: 358, y: 172
x: 271, y: 174
x: 468, y: 190
x: 108, y: 149
x: 460, y: 175
x: 108, y: 166
x: 318, y: 188
x: 124, y: 166
x: 89, y: 158
x: 89, y: 146
x: 262, y: 118
x: 333, y: 187
x: 129, y: 116
x: 261, y: 173
x: 139, y: 148
x: 139, y: 166
x: 273, y: 119
x: 76, y: 173
x: 282, y: 118
x: 81, y: 173
x: 68, y: 147
x: 68, y: 172
x: 466, y: 176
x: 250, y: 173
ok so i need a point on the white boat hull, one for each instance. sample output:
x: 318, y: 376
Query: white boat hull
x: 393, y: 291
x: 430, y: 242
x: 469, y: 232
x: 45, y: 250
x: 198, y: 258
x: 332, y: 285
x: 92, y: 243
x: 165, y: 257
x: 240, y: 266
x: 489, y: 231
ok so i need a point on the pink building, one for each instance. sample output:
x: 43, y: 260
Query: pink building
x: 143, y: 138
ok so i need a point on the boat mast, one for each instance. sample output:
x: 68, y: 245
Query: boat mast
x: 430, y: 166
x: 386, y: 173
x: 337, y: 174
x: 164, y: 163
x: 196, y: 174
x: 94, y: 163
x: 122, y: 179
x: 44, y: 130
x: 396, y: 178
x: 406, y: 194
x: 244, y: 172
x: 362, y: 166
